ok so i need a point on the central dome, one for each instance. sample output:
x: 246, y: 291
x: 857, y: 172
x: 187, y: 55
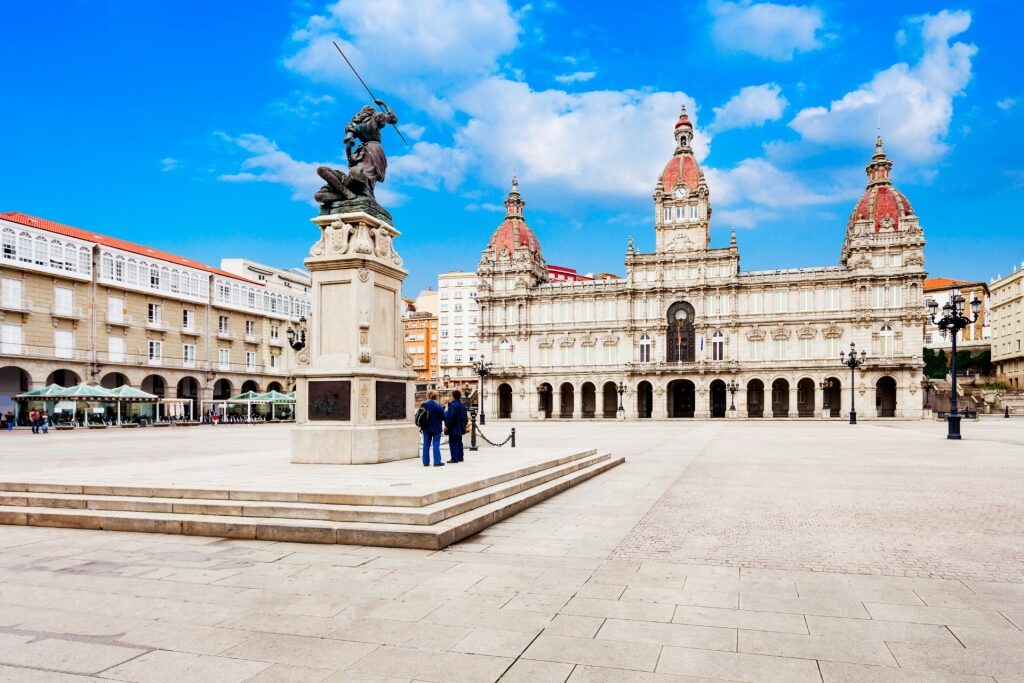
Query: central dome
x: 513, y: 233
x: 682, y: 168
x: 881, y: 204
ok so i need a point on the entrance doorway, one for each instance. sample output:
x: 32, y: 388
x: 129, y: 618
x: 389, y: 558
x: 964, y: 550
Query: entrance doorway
x: 682, y: 399
x: 833, y: 397
x: 609, y: 403
x: 568, y: 399
x: 755, y: 398
x: 545, y: 400
x: 780, y: 398
x: 718, y: 398
x: 589, y: 395
x: 644, y: 399
x: 885, y: 397
x: 805, y: 397
x: 504, y: 401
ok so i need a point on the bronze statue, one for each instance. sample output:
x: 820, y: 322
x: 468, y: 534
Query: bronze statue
x: 367, y: 165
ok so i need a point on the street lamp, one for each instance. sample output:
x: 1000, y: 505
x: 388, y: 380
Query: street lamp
x: 482, y: 368
x: 680, y: 319
x: 621, y: 389
x: 826, y: 386
x: 853, y: 363
x: 297, y: 339
x: 733, y: 386
x: 952, y: 321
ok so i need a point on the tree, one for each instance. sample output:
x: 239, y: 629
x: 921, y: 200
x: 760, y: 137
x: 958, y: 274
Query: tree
x: 934, y: 364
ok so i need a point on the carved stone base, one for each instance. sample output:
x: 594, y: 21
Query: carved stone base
x: 363, y: 204
x: 354, y: 445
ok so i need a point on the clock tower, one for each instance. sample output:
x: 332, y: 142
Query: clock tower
x: 682, y: 220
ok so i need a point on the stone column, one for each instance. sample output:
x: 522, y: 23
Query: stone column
x: 659, y: 407
x: 556, y: 402
x: 794, y: 409
x: 702, y: 403
x: 355, y: 391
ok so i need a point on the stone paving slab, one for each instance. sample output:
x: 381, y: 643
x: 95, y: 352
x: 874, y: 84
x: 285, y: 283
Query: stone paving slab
x: 570, y: 590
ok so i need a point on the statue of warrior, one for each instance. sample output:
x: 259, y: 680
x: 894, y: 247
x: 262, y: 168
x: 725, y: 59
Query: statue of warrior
x: 367, y: 163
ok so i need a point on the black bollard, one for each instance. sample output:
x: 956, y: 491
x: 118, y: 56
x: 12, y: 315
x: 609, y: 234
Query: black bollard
x: 1006, y: 411
x: 513, y: 437
x: 472, y: 426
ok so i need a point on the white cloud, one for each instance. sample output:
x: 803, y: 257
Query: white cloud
x: 595, y: 143
x: 412, y: 49
x: 1006, y: 104
x: 913, y: 104
x: 169, y: 164
x: 765, y: 29
x: 760, y: 182
x: 267, y: 163
x: 753, y: 105
x: 428, y: 164
x: 576, y: 77
x: 743, y: 218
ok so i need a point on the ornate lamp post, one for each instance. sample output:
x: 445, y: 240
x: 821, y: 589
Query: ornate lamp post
x: 733, y: 386
x: 952, y: 321
x: 482, y: 369
x: 826, y: 386
x: 853, y: 363
x: 297, y: 338
x: 621, y: 389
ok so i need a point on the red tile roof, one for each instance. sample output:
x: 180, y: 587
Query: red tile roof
x: 689, y: 172
x: 941, y: 283
x: 114, y: 243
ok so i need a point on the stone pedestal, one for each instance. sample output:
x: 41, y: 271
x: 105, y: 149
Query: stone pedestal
x: 355, y: 392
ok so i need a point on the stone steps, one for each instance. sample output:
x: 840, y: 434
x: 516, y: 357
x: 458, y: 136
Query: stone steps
x: 238, y: 506
x: 433, y: 526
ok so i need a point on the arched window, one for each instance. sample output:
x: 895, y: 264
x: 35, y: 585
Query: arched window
x: 680, y: 333
x: 24, y: 247
x: 84, y: 261
x: 154, y: 276
x: 717, y: 346
x: 57, y: 255
x: 41, y: 250
x: 10, y: 244
x: 885, y: 339
x: 119, y: 268
x: 505, y: 353
x: 645, y: 349
x: 70, y: 262
x: 107, y: 265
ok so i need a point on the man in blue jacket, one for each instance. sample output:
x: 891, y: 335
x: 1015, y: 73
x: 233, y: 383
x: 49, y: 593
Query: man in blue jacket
x: 432, y: 432
x: 455, y: 420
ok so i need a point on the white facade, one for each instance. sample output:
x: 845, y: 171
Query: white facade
x: 1007, y: 301
x: 285, y: 293
x: 687, y: 323
x: 457, y: 324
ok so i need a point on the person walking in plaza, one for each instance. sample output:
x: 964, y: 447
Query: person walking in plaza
x: 432, y: 427
x: 9, y: 419
x: 455, y: 420
x: 44, y: 422
x: 33, y: 420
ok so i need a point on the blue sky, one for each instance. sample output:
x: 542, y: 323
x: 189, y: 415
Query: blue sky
x: 196, y: 127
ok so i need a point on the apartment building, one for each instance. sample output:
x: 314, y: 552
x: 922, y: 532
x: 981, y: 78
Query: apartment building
x: 79, y: 306
x: 458, y: 317
x: 1007, y: 295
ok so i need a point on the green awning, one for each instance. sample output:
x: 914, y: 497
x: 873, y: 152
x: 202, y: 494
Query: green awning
x: 54, y: 391
x: 127, y: 393
x: 247, y: 397
x: 87, y: 392
x: 274, y: 396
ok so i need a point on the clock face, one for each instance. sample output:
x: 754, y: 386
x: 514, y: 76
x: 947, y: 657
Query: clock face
x: 680, y: 192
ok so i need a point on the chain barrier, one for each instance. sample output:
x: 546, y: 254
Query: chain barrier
x: 475, y: 429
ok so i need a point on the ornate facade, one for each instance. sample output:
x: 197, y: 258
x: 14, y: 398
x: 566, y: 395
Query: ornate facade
x: 688, y: 334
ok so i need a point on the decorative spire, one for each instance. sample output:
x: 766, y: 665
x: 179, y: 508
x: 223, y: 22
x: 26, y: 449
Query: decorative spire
x: 880, y: 167
x: 629, y: 247
x: 683, y: 131
x: 514, y: 203
x: 732, y: 239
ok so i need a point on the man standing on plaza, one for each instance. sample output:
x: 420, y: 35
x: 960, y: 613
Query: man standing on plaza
x: 33, y: 419
x: 455, y: 420
x: 432, y: 429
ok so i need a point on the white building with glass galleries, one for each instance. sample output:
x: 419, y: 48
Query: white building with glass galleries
x: 689, y: 334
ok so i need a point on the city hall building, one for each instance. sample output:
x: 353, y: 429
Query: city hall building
x: 689, y: 334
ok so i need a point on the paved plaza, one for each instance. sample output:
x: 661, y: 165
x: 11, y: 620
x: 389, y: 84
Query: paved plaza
x: 774, y: 551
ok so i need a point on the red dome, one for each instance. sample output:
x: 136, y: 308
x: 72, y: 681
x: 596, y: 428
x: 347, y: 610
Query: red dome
x: 881, y: 203
x: 681, y: 166
x: 513, y: 233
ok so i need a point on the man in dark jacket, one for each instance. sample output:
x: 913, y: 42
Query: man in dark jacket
x: 432, y: 432
x: 455, y: 420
